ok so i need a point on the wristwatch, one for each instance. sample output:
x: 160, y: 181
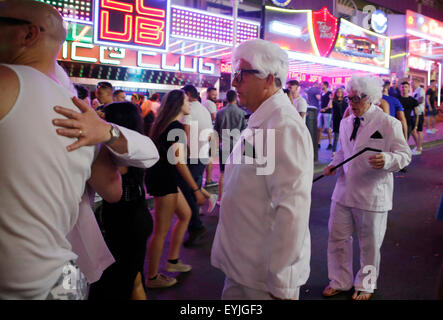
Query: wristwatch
x: 115, y: 134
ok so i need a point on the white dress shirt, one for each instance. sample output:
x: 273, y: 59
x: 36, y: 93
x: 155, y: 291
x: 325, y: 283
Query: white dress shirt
x: 262, y: 239
x: 358, y: 184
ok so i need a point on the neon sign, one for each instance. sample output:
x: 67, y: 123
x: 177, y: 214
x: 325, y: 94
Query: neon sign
x: 424, y: 27
x: 88, y: 52
x: 138, y: 24
x: 209, y: 27
x: 325, y: 27
x: 76, y: 11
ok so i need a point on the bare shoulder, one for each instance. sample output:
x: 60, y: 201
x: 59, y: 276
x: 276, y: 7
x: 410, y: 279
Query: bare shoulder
x: 10, y: 88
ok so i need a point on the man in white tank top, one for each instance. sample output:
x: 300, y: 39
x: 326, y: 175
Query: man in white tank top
x: 41, y: 183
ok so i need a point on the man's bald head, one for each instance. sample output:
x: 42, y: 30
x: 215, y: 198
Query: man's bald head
x: 41, y: 14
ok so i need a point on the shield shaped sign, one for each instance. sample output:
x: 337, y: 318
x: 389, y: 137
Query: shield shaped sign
x: 325, y: 27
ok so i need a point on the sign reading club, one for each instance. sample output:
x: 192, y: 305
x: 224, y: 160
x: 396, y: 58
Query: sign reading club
x: 137, y: 24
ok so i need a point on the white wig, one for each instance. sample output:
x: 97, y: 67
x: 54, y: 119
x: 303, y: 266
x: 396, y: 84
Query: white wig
x: 265, y: 56
x: 370, y: 86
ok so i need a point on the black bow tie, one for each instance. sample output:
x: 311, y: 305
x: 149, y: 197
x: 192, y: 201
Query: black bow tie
x: 356, y: 125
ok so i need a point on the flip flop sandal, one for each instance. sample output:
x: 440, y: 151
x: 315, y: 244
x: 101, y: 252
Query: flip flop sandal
x: 331, y: 292
x: 360, y: 293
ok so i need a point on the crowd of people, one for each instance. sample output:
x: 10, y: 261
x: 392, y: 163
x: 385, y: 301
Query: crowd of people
x: 408, y: 102
x: 60, y: 149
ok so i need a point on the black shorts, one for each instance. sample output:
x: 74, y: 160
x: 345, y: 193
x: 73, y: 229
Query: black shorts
x: 421, y: 119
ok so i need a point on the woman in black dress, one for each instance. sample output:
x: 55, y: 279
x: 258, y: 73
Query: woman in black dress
x: 169, y: 136
x: 127, y: 224
x: 339, y: 106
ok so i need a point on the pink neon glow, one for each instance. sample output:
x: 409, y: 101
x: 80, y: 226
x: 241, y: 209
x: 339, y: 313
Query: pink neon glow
x: 146, y: 11
x: 105, y: 33
x: 117, y: 6
x: 149, y: 31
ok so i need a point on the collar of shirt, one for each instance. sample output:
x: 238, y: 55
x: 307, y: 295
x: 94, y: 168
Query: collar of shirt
x: 265, y: 110
x: 367, y: 116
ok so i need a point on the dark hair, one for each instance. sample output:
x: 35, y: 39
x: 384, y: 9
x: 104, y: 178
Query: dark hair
x: 231, y: 96
x: 336, y: 96
x: 386, y: 84
x: 82, y: 92
x: 117, y: 92
x: 210, y: 89
x: 170, y: 107
x: 104, y: 85
x: 287, y: 92
x: 191, y: 90
x: 433, y: 80
x: 154, y: 97
x: 405, y: 82
x: 326, y: 83
x: 293, y: 83
x: 125, y: 114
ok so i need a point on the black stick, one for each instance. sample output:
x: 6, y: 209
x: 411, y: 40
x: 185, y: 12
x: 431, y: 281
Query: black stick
x: 348, y: 159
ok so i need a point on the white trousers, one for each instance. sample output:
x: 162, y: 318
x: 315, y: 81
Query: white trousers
x: 236, y: 291
x: 371, y: 228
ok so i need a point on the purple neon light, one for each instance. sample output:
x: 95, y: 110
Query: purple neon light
x: 74, y: 10
x: 199, y: 26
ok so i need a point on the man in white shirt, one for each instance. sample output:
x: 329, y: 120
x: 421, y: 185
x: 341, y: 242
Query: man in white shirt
x: 363, y: 193
x: 198, y: 128
x: 298, y: 101
x: 262, y: 242
x: 210, y: 104
x: 417, y: 133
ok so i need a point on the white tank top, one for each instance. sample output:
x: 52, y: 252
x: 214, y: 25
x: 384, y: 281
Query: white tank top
x: 41, y: 186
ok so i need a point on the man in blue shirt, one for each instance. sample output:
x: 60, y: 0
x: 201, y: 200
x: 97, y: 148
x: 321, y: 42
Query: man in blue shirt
x: 395, y: 108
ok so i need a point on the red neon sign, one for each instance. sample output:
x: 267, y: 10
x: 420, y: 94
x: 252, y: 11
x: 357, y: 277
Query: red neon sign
x: 138, y: 24
x: 325, y: 27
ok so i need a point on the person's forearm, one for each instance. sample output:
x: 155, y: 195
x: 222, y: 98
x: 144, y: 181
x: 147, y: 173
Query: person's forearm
x: 120, y: 145
x: 186, y: 174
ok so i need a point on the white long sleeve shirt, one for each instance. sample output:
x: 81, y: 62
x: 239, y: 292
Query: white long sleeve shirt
x: 358, y: 184
x: 262, y: 239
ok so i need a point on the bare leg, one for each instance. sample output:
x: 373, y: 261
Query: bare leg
x: 220, y: 185
x: 138, y: 293
x: 209, y: 171
x: 164, y: 209
x: 319, y: 134
x: 415, y: 136
x: 420, y: 140
x: 183, y: 212
x: 329, y: 136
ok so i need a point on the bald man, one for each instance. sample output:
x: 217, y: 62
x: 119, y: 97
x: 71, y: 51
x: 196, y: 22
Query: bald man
x: 43, y: 183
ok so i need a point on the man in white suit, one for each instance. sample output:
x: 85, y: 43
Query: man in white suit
x: 363, y: 194
x: 262, y: 243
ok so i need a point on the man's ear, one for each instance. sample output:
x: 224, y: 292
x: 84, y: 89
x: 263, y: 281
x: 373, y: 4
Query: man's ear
x: 32, y: 35
x: 270, y: 80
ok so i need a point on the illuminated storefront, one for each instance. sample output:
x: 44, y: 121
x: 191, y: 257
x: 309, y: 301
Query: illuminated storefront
x: 141, y: 45
x: 322, y: 47
x: 424, y: 49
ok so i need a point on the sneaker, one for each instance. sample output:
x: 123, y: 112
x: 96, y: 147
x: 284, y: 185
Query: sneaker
x: 416, y: 153
x: 194, y: 236
x: 161, y: 281
x: 329, y: 147
x: 434, y: 130
x: 429, y: 131
x: 212, y: 201
x: 178, y: 267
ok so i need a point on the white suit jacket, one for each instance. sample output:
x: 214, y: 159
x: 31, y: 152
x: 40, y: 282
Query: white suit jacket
x: 86, y: 238
x: 262, y: 239
x: 358, y: 185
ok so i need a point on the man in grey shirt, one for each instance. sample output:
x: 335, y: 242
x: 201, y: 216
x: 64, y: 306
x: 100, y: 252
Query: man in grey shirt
x: 229, y: 122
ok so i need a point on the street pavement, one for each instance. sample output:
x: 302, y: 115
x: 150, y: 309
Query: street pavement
x: 411, y: 255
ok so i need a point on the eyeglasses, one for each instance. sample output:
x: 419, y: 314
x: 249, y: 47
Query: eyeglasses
x: 238, y: 75
x: 356, y: 99
x: 16, y: 22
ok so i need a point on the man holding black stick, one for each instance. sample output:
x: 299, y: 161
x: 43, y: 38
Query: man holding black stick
x: 363, y: 194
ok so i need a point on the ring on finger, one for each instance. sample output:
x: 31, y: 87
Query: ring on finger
x: 80, y: 132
